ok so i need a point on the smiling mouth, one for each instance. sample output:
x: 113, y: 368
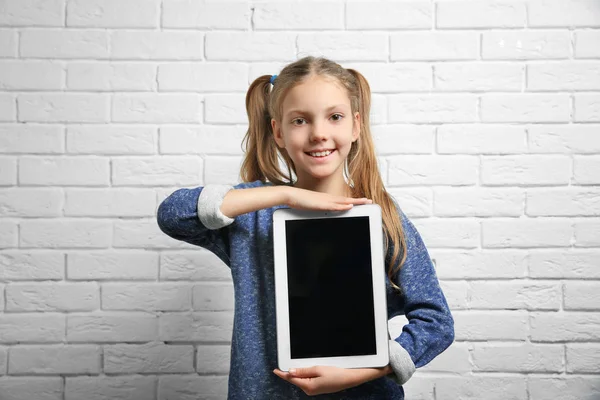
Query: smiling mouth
x: 320, y: 154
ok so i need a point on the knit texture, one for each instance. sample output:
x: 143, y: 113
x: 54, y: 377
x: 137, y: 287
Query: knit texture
x: 246, y: 247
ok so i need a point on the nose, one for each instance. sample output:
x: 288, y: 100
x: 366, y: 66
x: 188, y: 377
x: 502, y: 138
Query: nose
x: 318, y: 132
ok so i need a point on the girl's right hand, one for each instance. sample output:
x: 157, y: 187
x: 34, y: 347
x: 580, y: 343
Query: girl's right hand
x: 304, y: 199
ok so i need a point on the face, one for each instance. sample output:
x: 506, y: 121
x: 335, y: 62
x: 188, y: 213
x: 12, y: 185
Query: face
x: 317, y: 128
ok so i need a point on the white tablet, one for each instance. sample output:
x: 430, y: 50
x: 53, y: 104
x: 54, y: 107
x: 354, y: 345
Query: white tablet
x: 330, y: 288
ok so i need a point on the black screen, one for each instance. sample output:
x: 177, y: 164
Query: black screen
x: 330, y: 287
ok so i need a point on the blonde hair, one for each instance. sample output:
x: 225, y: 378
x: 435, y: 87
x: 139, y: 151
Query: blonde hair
x: 262, y: 157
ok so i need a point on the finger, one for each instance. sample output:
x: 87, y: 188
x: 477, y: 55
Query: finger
x: 281, y: 374
x: 311, y: 372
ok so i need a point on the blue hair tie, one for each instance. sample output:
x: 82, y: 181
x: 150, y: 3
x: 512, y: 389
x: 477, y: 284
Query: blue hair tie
x: 273, y: 79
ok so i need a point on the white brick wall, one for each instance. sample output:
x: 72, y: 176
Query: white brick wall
x: 486, y: 115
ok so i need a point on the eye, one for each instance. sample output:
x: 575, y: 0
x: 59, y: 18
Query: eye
x: 297, y: 119
x: 340, y: 116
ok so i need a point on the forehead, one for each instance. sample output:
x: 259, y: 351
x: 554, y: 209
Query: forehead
x: 315, y: 94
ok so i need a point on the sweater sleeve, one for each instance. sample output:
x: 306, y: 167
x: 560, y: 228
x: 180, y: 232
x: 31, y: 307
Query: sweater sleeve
x: 194, y: 216
x: 430, y: 327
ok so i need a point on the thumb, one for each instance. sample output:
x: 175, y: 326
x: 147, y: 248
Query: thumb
x: 311, y: 372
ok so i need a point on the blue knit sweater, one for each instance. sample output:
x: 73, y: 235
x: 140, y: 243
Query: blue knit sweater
x: 245, y: 245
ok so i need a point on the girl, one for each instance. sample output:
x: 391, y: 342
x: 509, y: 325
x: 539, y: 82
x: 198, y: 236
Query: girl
x: 314, y: 118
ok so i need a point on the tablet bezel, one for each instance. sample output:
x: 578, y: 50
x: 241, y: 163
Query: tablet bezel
x: 381, y: 358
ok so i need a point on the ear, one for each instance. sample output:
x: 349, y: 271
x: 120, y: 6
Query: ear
x: 276, y: 127
x: 356, y: 127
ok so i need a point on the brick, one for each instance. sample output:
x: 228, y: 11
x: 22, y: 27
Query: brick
x: 583, y: 358
x: 49, y: 233
x: 322, y: 15
x: 31, y: 75
x: 64, y: 44
x: 565, y: 327
x: 484, y: 77
x: 567, y: 388
x: 481, y: 139
x: 587, y: 233
x: 481, y: 387
x: 575, y: 264
x: 8, y: 108
x: 525, y: 233
x: 95, y: 76
x: 223, y: 170
x: 430, y: 46
x: 395, y: 77
x: 225, y: 109
x: 152, y: 171
x: 449, y: 233
x: 564, y: 76
x: 31, y: 139
x: 116, y: 265
x: 455, y: 358
x: 3, y: 360
x: 112, y: 327
x: 382, y: 15
x: 32, y: 327
x: 156, y: 108
x: 203, y: 139
x: 32, y: 13
x: 584, y: 170
x: 203, y: 77
x: 525, y: 108
x: 379, y: 109
x: 403, y: 138
x: 575, y: 138
x: 586, y: 44
x: 213, y: 359
x: 515, y: 295
x: 490, y: 325
x: 456, y: 294
x: 188, y: 387
x: 508, y: 264
x: 111, y: 202
x: 478, y: 202
x: 110, y: 387
x: 478, y: 15
x: 415, y: 201
x: 582, y: 296
x: 146, y: 296
x: 433, y: 108
x: 517, y: 357
x: 534, y: 170
x: 80, y: 171
x: 199, y: 326
x: 213, y: 296
x: 205, y: 15
x: 52, y: 360
x: 63, y: 107
x: 8, y: 234
x: 30, y: 266
x: 31, y: 202
x: 261, y: 46
x: 111, y: 139
x: 113, y: 13
x: 525, y: 45
x: 564, y: 202
x: 148, y: 358
x: 196, y: 265
x: 29, y: 387
x: 345, y: 46
x: 8, y: 171
x: 420, y: 388
x: 587, y: 108
x: 156, y: 45
x: 8, y: 43
x: 433, y: 170
x: 555, y: 13
x: 55, y: 296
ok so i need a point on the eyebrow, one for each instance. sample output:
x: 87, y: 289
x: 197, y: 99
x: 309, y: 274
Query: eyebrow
x: 306, y: 112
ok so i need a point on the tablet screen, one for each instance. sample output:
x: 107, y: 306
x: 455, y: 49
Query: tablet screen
x: 330, y: 287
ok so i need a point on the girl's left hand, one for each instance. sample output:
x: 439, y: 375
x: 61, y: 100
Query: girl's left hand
x: 326, y: 379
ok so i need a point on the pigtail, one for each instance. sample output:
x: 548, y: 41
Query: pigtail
x: 261, y: 159
x: 363, y: 171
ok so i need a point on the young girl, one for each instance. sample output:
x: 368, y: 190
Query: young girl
x: 314, y: 118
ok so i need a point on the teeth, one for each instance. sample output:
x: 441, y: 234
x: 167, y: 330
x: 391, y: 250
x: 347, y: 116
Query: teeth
x: 321, y: 153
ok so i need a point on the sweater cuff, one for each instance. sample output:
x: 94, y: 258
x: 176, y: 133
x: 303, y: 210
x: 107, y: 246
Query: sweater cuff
x: 209, y: 206
x: 401, y: 363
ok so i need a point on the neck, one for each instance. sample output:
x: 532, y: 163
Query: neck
x: 334, y: 185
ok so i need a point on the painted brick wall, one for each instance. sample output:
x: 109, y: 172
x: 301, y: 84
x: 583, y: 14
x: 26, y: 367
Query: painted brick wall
x: 486, y: 115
